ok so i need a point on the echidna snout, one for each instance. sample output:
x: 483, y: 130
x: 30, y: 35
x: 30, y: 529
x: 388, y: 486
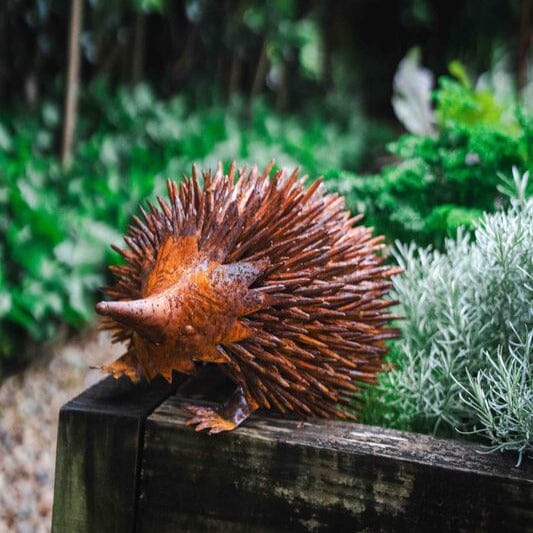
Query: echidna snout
x: 147, y: 316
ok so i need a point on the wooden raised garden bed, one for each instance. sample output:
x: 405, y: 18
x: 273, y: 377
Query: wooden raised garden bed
x: 126, y: 461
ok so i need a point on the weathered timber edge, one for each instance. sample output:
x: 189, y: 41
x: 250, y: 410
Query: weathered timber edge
x: 123, y: 466
x: 274, y: 474
x: 99, y: 443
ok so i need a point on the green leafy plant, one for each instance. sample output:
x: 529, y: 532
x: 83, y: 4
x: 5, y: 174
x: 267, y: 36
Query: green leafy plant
x: 57, y: 224
x: 51, y: 251
x: 464, y: 359
x: 446, y: 174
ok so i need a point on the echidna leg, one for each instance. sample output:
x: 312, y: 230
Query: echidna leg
x: 225, y: 417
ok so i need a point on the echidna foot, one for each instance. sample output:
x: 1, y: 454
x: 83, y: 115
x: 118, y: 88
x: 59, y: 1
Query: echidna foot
x: 207, y: 418
x: 225, y: 417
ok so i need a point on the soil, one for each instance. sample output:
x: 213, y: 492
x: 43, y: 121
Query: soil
x: 29, y: 407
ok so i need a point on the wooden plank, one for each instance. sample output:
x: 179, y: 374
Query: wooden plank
x: 99, y: 441
x: 274, y: 474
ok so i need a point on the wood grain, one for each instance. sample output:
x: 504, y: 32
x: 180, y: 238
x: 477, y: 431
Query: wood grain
x: 274, y: 474
x: 99, y: 441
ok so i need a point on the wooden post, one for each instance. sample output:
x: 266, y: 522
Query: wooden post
x: 139, y: 44
x: 260, y: 71
x: 524, y: 43
x: 98, y: 454
x: 73, y: 74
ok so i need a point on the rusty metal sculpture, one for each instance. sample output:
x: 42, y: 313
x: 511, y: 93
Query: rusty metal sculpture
x: 269, y: 279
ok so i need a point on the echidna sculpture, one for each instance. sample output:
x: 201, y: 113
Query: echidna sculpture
x: 269, y: 279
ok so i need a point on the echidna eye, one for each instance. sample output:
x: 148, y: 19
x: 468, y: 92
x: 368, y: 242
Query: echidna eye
x: 151, y: 340
x: 154, y: 343
x: 188, y: 330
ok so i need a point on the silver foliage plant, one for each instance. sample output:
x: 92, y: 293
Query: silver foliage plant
x: 501, y: 397
x: 465, y: 360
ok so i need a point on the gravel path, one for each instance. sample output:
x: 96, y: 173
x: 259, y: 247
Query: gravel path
x: 29, y: 407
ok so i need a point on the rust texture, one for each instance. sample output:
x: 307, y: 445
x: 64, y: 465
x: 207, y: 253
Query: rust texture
x: 272, y: 280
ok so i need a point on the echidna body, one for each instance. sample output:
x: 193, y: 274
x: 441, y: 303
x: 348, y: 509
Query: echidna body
x: 273, y: 281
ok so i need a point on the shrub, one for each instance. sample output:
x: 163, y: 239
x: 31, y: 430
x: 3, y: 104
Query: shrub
x: 50, y: 250
x: 57, y: 223
x: 446, y: 176
x: 501, y: 398
x: 464, y: 359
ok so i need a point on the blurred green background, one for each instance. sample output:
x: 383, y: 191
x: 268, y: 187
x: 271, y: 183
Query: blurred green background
x: 410, y: 108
